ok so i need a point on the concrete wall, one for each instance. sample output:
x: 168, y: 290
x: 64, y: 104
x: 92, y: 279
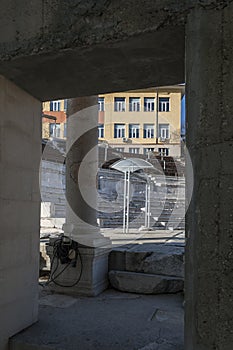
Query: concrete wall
x: 20, y: 147
x: 209, y: 231
x: 116, y: 43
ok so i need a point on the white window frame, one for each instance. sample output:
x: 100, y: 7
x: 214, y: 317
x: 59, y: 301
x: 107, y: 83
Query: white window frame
x: 119, y: 131
x: 134, y: 131
x: 101, y: 104
x: 56, y: 130
x: 119, y: 106
x: 149, y: 106
x: 119, y: 149
x: 164, y: 106
x: 101, y: 131
x: 134, y: 150
x: 148, y: 131
x: 134, y: 104
x: 55, y: 106
x: 164, y: 131
x: 163, y: 152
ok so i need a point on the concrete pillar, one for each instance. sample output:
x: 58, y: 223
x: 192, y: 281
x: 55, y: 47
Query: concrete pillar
x: 20, y: 153
x: 209, y: 253
x: 81, y: 195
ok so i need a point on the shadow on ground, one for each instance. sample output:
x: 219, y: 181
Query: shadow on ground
x: 111, y: 321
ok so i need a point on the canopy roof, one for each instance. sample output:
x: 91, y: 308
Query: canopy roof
x: 131, y: 164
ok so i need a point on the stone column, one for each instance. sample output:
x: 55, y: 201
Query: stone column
x: 209, y: 221
x: 81, y: 172
x: 81, y: 195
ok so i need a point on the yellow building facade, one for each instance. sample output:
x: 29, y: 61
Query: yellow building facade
x: 142, y: 121
x: 54, y: 119
x: 138, y: 122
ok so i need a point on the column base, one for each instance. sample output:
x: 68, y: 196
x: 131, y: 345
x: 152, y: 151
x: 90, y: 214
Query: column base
x: 91, y: 275
x: 83, y: 236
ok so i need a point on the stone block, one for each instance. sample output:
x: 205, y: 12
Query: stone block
x: 49, y: 223
x: 44, y: 258
x: 142, y: 283
x: 156, y: 259
x: 117, y: 260
x: 47, y: 209
x: 93, y: 269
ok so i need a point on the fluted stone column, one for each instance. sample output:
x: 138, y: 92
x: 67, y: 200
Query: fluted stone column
x: 209, y: 230
x: 81, y: 172
x: 81, y: 195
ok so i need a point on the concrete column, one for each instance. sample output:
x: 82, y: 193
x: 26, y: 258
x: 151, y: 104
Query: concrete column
x: 20, y: 153
x: 209, y: 253
x: 81, y: 195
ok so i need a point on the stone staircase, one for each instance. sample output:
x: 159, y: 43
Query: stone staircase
x: 148, y: 268
x: 167, y: 202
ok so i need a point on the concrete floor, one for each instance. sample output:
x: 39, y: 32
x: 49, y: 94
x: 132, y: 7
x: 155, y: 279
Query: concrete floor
x: 111, y: 321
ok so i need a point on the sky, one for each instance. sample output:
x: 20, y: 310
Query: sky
x: 183, y: 116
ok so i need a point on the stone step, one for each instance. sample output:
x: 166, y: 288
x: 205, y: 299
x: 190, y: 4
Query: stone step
x: 134, y: 282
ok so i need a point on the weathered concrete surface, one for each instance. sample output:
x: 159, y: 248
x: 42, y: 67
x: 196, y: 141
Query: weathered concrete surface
x: 113, y: 320
x: 135, y: 282
x: 156, y: 259
x: 209, y: 257
x: 20, y: 135
x: 119, y: 45
x: 149, y: 258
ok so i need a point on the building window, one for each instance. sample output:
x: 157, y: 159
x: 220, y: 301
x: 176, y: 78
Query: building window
x: 55, y: 106
x: 133, y: 131
x: 164, y: 104
x: 149, y: 104
x: 134, y: 104
x: 163, y: 152
x: 101, y: 104
x: 119, y: 131
x: 119, y: 149
x: 54, y: 130
x: 149, y: 131
x: 100, y: 131
x: 65, y: 105
x: 65, y: 130
x: 134, y: 150
x: 164, y: 131
x: 147, y: 150
x: 119, y: 104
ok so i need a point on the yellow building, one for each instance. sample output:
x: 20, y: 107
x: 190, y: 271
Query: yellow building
x: 143, y: 120
x: 54, y: 120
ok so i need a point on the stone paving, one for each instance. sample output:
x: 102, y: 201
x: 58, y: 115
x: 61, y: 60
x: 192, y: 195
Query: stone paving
x: 111, y: 321
x: 114, y: 320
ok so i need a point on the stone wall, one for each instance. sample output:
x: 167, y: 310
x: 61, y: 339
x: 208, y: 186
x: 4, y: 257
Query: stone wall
x: 20, y: 132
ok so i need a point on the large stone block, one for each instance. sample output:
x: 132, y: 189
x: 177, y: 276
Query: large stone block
x: 156, y: 259
x: 92, y: 269
x: 142, y: 283
x: 117, y: 258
